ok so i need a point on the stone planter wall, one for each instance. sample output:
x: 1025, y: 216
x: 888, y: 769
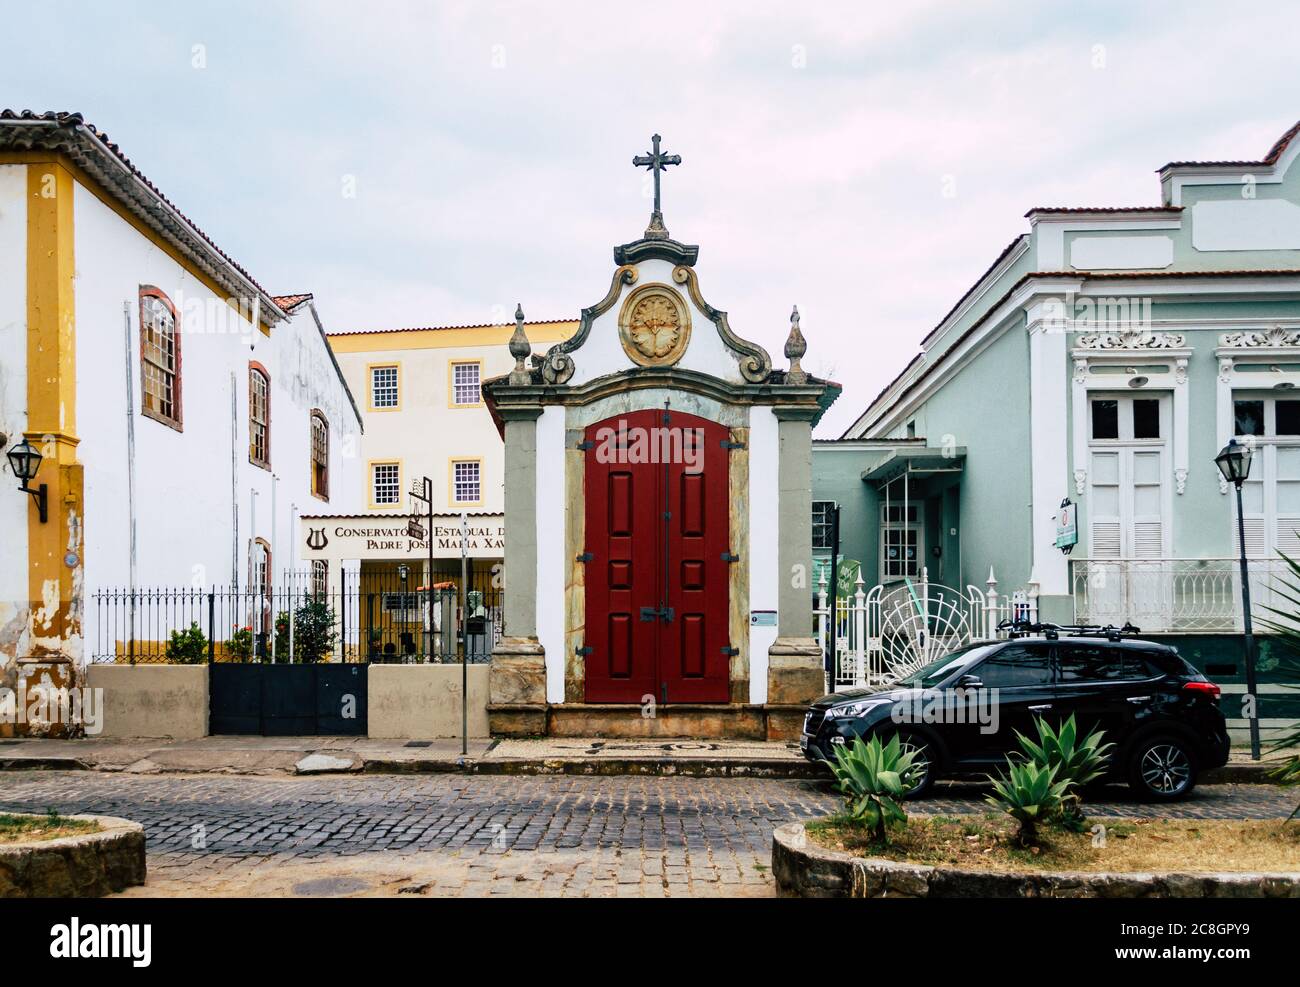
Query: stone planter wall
x: 805, y: 870
x: 84, y: 866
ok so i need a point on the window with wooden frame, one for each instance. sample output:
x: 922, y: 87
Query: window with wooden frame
x: 320, y: 456
x: 319, y: 578
x: 465, y: 384
x: 386, y: 484
x: 160, y: 358
x: 465, y: 485
x: 259, y: 416
x: 383, y: 387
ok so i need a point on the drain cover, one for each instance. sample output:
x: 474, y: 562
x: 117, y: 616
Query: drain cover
x: 418, y: 743
x: 326, y: 886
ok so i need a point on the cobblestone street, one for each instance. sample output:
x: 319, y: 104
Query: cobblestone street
x: 444, y: 834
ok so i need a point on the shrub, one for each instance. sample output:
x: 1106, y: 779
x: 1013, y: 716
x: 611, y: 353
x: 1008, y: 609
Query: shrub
x: 1077, y: 762
x: 313, y: 633
x: 188, y: 647
x: 1030, y: 794
x: 240, y: 645
x: 874, y: 779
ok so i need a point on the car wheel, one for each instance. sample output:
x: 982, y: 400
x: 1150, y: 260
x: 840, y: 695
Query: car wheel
x: 1161, y: 768
x: 924, y: 760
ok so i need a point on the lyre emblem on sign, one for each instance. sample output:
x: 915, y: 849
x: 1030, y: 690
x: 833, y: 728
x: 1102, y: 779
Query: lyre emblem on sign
x: 316, y: 539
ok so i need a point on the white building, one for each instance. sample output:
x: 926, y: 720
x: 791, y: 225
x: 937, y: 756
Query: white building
x: 184, y: 413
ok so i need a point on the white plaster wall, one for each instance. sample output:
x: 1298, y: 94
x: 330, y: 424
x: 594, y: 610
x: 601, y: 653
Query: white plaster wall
x: 552, y: 519
x: 14, y: 507
x: 1246, y: 224
x: 1048, y: 445
x: 764, y: 515
x: 1118, y: 253
x: 603, y: 354
x: 183, y: 479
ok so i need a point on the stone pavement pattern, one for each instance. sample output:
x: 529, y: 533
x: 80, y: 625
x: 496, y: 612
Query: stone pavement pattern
x: 484, y: 835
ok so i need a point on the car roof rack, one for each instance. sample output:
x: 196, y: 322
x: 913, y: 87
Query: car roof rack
x: 1023, y: 628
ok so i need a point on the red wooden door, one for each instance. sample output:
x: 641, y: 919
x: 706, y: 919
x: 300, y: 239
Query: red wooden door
x: 694, y: 656
x: 657, y: 597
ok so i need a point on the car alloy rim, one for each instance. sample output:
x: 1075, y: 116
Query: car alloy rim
x: 920, y: 761
x: 1166, y: 769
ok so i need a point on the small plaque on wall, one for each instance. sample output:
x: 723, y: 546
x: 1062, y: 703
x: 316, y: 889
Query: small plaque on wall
x: 762, y: 618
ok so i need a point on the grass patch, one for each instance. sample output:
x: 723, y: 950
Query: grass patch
x: 50, y: 826
x: 986, y: 843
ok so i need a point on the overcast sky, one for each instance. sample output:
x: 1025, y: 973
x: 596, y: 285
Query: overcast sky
x: 866, y: 161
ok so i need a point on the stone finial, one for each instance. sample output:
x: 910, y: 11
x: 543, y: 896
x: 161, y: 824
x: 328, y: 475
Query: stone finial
x: 520, y: 349
x: 795, y: 347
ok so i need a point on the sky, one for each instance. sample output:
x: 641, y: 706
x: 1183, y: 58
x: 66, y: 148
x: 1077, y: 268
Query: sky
x: 421, y: 164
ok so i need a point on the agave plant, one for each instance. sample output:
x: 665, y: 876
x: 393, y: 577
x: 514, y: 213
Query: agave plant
x: 874, y: 778
x: 1077, y: 762
x: 1029, y: 793
x: 1285, y: 625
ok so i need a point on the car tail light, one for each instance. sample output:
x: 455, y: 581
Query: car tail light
x: 1201, y: 685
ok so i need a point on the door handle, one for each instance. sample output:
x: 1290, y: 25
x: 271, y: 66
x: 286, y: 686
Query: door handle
x: 1139, y: 699
x: 1035, y: 709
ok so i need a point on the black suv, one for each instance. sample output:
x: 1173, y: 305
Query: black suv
x: 961, y: 712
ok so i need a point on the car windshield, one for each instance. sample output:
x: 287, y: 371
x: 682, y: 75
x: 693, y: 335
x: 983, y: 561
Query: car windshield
x: 935, y: 672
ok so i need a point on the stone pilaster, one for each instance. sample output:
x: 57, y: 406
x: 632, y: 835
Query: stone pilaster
x: 517, y: 676
x: 794, y: 673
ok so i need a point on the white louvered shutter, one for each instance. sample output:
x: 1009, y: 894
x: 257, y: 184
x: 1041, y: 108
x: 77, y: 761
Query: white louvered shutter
x: 1104, y: 506
x: 1148, y: 528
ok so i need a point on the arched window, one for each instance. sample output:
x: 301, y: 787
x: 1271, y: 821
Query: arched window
x: 259, y: 415
x: 320, y: 456
x: 160, y: 358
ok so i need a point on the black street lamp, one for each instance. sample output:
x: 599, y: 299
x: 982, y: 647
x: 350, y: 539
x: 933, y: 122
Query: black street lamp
x: 25, y: 461
x: 1234, y: 464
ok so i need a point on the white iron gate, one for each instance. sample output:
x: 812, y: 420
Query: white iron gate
x: 890, y: 631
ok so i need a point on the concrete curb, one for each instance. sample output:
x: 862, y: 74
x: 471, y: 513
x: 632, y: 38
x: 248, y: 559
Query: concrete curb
x: 44, y: 764
x: 88, y: 865
x: 602, y: 766
x: 803, y: 869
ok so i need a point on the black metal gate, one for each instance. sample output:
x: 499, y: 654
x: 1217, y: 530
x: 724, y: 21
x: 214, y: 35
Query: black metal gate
x: 287, y: 700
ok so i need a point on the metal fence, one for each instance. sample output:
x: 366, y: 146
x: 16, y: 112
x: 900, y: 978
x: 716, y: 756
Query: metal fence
x: 1172, y: 595
x: 888, y: 631
x: 356, y: 617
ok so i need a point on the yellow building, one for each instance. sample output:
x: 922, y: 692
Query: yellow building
x: 419, y: 394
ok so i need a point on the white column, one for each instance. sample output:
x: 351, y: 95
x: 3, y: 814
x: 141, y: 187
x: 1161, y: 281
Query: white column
x: 1048, y: 463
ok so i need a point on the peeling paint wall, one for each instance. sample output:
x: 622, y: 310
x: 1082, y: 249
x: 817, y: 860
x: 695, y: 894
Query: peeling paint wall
x: 14, y: 603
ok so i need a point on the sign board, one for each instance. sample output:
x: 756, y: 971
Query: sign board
x: 762, y: 618
x: 414, y: 529
x: 378, y: 536
x: 1067, y: 526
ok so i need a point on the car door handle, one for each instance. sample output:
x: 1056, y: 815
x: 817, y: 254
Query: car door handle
x: 1035, y: 709
x: 1138, y: 699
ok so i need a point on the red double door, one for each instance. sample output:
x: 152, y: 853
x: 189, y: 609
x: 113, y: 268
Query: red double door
x: 657, y: 559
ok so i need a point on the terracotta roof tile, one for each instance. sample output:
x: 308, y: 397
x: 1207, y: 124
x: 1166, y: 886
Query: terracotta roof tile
x: 74, y: 121
x: 1270, y: 159
x: 475, y: 325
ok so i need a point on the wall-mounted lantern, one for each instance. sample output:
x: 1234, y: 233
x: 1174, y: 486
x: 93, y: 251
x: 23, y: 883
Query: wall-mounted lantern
x: 25, y: 461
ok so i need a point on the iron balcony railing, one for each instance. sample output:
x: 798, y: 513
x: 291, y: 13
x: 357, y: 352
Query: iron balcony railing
x: 1173, y: 595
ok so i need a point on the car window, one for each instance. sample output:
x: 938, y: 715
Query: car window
x: 1015, y: 666
x: 1093, y: 663
x: 932, y: 674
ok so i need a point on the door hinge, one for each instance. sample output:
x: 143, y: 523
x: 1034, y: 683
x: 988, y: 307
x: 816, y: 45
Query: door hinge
x: 728, y: 557
x: 651, y: 614
x: 585, y: 557
x: 586, y: 444
x: 728, y: 444
x: 583, y: 651
x: 730, y: 651
x: 668, y: 515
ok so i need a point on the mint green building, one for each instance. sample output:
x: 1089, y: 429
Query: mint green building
x: 1098, y: 366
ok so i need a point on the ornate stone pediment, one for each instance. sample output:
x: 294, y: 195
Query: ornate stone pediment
x: 1133, y: 339
x: 1274, y: 338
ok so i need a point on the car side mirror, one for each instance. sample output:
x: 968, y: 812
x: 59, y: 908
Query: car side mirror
x: 970, y: 682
